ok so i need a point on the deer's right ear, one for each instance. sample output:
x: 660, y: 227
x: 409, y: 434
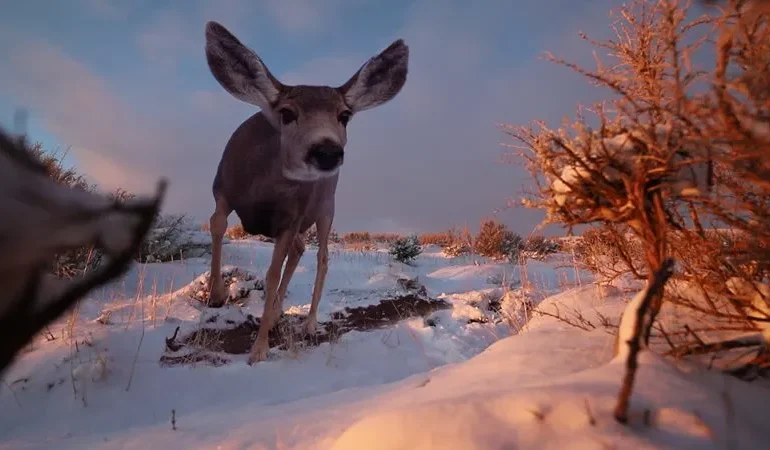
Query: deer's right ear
x: 239, y: 70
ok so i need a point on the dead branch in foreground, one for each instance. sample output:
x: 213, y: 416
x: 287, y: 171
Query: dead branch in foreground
x: 654, y: 291
x: 41, y: 219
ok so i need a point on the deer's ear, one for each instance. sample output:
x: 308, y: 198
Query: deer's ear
x: 239, y: 70
x: 379, y: 79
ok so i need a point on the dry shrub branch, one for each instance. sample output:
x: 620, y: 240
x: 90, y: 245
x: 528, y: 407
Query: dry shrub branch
x: 677, y: 155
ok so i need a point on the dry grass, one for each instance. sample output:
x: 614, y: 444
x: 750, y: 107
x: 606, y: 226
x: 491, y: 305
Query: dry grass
x: 236, y: 232
x: 385, y: 238
x: 360, y: 246
x: 442, y: 238
x: 356, y: 236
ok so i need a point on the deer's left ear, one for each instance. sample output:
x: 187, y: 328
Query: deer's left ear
x: 379, y: 79
x: 239, y: 70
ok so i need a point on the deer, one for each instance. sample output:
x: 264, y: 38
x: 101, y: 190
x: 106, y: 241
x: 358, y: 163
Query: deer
x: 279, y: 169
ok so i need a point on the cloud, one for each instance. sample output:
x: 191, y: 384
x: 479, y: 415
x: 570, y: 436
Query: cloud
x: 304, y: 16
x: 294, y: 18
x: 167, y: 39
x: 106, y: 9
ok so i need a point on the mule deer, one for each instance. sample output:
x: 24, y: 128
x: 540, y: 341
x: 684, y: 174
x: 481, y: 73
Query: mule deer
x: 279, y: 170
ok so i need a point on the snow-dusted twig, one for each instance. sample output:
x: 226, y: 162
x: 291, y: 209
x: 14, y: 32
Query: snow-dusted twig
x: 636, y: 340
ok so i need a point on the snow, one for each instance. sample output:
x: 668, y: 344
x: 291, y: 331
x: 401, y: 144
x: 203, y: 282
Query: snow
x: 628, y: 324
x: 690, y: 179
x: 461, y: 378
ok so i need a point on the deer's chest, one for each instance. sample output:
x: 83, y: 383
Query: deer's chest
x: 272, y: 214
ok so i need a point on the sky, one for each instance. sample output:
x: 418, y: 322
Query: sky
x: 124, y: 85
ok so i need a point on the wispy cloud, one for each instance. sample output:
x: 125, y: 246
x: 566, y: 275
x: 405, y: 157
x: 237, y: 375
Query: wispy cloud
x: 167, y: 39
x: 304, y: 16
x: 107, y: 9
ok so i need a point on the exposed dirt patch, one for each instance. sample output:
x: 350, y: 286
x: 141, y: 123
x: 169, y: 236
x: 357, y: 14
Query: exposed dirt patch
x: 226, y: 334
x: 386, y: 313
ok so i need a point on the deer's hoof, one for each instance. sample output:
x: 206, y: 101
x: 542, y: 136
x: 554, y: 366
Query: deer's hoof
x: 310, y: 326
x: 217, y: 298
x: 258, y: 354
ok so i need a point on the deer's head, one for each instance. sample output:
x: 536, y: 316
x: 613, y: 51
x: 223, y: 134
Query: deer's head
x: 312, y: 120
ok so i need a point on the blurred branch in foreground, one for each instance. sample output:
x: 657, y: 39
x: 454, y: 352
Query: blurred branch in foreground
x: 41, y: 218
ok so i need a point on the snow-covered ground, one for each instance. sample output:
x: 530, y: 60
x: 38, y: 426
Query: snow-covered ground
x: 463, y: 378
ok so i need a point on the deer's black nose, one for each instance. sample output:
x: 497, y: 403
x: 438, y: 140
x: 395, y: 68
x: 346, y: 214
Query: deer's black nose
x: 327, y: 156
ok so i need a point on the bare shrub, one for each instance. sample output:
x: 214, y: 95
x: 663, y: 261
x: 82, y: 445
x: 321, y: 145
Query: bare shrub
x: 54, y: 167
x: 442, y: 238
x: 77, y: 261
x: 610, y: 252
x: 170, y: 239
x: 495, y: 240
x: 676, y: 151
x: 461, y: 243
x: 236, y: 232
x: 539, y: 247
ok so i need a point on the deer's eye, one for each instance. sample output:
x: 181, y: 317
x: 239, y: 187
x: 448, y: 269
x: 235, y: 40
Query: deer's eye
x: 344, y: 117
x: 287, y: 115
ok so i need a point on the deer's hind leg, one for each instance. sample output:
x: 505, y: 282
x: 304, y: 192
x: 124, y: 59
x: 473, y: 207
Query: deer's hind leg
x: 218, y: 224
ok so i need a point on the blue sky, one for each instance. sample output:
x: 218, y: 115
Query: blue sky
x: 124, y: 84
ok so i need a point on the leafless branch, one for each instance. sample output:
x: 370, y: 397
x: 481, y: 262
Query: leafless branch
x: 42, y: 218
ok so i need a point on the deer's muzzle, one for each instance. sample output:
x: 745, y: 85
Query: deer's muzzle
x: 326, y: 156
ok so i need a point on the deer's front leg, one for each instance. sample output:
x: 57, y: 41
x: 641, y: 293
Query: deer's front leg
x: 218, y: 224
x: 272, y: 278
x: 323, y: 226
x: 296, y: 250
